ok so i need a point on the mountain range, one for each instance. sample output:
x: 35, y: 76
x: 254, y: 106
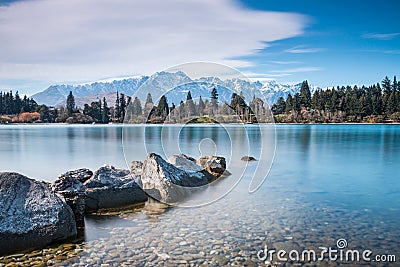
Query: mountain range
x: 161, y: 83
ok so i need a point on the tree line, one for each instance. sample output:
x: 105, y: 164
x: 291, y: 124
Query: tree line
x: 200, y: 110
x: 375, y: 104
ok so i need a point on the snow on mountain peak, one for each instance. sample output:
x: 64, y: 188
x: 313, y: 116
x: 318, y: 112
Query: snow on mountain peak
x: 163, y: 81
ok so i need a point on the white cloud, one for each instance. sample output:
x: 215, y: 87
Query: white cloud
x: 381, y: 36
x: 285, y: 62
x: 83, y: 40
x: 296, y: 70
x: 302, y: 50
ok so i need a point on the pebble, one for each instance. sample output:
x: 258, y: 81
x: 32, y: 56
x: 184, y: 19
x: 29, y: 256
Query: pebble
x: 214, y: 236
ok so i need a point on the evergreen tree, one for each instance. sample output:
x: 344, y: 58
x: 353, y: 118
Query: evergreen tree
x: 137, y: 107
x: 117, y: 109
x: 289, y: 104
x: 214, y: 100
x: 148, y: 106
x: 70, y: 107
x: 200, y: 108
x: 279, y: 107
x: 162, y: 109
x: 305, y: 95
x: 105, y: 112
x: 122, y: 107
x: 297, y: 102
x: 190, y: 106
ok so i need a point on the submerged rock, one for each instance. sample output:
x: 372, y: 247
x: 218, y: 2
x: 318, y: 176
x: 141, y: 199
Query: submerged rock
x: 168, y: 183
x: 110, y: 187
x: 31, y: 214
x: 248, y: 158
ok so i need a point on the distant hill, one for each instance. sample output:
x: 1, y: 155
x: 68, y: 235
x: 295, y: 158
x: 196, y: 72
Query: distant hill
x: 160, y: 83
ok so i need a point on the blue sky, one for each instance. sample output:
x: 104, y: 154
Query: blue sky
x: 346, y: 42
x: 326, y: 42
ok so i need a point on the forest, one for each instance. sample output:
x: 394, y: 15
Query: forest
x: 378, y: 103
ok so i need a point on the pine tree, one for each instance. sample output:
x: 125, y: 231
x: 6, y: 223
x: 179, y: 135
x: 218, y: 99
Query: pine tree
x: 70, y: 107
x: 190, y: 106
x: 214, y: 100
x: 148, y: 106
x: 149, y: 99
x: 289, y: 104
x: 105, y: 112
x: 200, y: 107
x: 137, y: 107
x: 162, y: 109
x: 305, y: 95
x: 117, y: 109
x: 279, y: 107
x: 122, y: 107
x: 297, y: 102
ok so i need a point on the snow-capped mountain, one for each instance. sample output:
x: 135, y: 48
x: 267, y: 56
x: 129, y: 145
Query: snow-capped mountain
x: 174, y: 86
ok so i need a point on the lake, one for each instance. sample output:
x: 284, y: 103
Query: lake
x: 326, y: 182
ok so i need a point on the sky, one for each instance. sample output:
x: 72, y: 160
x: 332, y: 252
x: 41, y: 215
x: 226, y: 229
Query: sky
x: 328, y: 43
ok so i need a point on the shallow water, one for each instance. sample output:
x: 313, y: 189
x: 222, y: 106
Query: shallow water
x: 327, y: 182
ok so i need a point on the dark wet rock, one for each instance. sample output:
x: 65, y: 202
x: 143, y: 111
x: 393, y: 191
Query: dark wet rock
x: 82, y: 174
x: 214, y: 165
x: 110, y: 187
x: 70, y: 186
x: 248, y: 158
x: 31, y: 215
x: 167, y: 183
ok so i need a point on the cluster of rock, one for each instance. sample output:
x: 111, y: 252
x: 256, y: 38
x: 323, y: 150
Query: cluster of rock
x: 33, y: 213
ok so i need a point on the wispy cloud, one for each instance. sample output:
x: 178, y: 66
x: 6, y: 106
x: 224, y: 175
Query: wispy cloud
x: 302, y: 50
x: 296, y: 70
x: 285, y: 62
x: 72, y: 40
x: 381, y: 36
x: 387, y: 51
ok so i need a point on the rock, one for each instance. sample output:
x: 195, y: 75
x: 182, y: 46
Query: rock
x: 185, y: 163
x: 70, y: 186
x: 248, y: 158
x: 214, y: 165
x: 110, y: 187
x: 76, y: 201
x: 167, y: 183
x: 189, y: 164
x: 31, y: 214
x: 136, y: 167
x: 80, y: 174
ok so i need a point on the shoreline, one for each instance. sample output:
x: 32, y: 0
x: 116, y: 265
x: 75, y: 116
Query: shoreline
x: 194, y: 124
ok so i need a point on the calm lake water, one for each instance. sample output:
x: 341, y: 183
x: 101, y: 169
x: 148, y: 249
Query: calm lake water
x: 327, y: 182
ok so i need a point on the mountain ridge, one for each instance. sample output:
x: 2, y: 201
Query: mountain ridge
x: 158, y: 84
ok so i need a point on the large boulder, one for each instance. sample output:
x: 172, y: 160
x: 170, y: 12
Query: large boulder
x: 110, y: 187
x: 168, y: 183
x: 31, y: 215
